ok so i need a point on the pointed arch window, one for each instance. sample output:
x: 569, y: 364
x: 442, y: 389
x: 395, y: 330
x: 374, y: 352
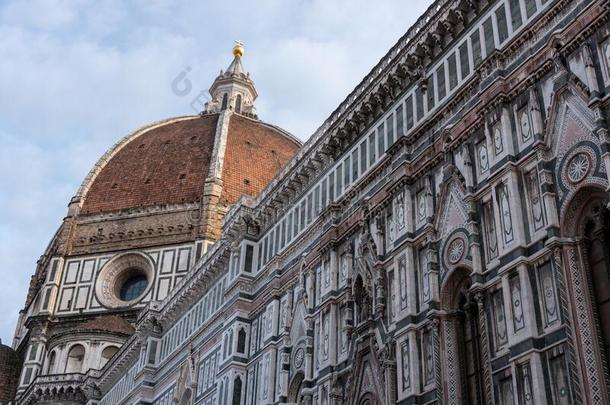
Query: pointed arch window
x: 237, y: 391
x: 225, y: 101
x: 241, y: 341
x: 52, y: 362
x: 238, y: 103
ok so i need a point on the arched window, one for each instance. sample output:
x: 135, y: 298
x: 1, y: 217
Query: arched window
x: 237, y: 391
x: 220, y: 392
x: 238, y: 103
x: 76, y: 357
x: 241, y: 341
x: 186, y: 397
x: 225, y: 101
x: 107, y: 354
x: 52, y: 361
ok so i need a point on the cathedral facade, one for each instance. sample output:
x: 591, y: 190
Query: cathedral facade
x: 442, y: 238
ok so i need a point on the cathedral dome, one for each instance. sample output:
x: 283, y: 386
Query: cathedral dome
x: 169, y: 162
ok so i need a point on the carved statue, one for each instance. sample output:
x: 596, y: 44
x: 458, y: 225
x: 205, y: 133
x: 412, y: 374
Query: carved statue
x: 212, y: 106
x: 304, y: 288
x: 248, y: 107
x: 558, y: 60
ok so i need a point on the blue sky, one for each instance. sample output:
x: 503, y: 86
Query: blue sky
x: 77, y: 75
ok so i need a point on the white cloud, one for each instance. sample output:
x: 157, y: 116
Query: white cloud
x: 78, y: 75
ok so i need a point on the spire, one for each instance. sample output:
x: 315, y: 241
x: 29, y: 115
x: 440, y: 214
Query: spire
x: 236, y: 68
x: 233, y: 89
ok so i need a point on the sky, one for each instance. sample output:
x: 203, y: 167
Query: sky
x: 78, y: 75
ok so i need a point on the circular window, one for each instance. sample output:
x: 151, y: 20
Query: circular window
x: 299, y: 357
x: 133, y: 287
x: 124, y: 280
x: 578, y: 167
x: 456, y: 250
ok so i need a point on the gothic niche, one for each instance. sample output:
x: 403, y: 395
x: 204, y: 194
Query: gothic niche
x: 368, y: 287
x: 294, y: 390
x: 362, y: 300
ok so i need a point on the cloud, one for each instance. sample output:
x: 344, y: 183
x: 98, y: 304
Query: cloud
x: 76, y: 76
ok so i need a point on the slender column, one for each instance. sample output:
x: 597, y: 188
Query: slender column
x: 479, y: 297
x: 452, y: 374
x: 587, y: 55
x: 537, y: 379
x: 527, y: 300
x: 573, y: 366
x: 415, y: 363
x: 411, y: 281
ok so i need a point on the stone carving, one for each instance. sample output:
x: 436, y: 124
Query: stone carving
x: 456, y: 249
x: 505, y: 211
x: 578, y: 167
x: 517, y: 305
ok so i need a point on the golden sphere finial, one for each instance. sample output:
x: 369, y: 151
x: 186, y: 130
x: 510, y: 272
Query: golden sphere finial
x: 238, y: 49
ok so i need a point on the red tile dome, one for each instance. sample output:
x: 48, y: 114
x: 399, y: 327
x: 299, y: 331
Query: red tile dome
x: 168, y: 163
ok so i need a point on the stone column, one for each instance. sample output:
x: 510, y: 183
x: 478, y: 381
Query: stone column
x: 585, y: 329
x: 433, y: 274
x: 309, y: 349
x: 309, y: 287
x: 516, y: 209
x: 538, y: 385
x: 389, y: 371
x: 547, y: 186
x: 284, y: 376
x: 411, y: 280
x: 334, y: 268
x: 474, y: 239
x: 480, y: 300
x: 415, y: 365
x: 509, y: 141
x: 451, y: 376
x: 587, y: 56
x: 527, y: 300
x: 333, y: 338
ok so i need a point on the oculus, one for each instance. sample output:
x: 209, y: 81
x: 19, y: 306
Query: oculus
x: 124, y: 280
x: 578, y: 167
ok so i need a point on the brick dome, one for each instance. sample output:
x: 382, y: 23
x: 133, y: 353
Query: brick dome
x: 169, y: 162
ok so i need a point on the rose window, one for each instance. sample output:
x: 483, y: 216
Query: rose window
x: 578, y: 167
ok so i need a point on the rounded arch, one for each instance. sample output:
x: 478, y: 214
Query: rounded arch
x: 238, y: 103
x: 585, y: 264
x: 75, y: 359
x: 295, y: 387
x: 107, y: 353
x: 367, y: 399
x: 237, y: 390
x: 579, y: 205
x: 186, y: 397
x: 454, y: 287
x: 462, y: 336
x: 52, y: 362
x: 241, y: 340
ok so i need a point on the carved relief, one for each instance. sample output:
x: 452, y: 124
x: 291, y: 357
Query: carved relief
x: 516, y: 303
x: 535, y: 201
x: 505, y: 213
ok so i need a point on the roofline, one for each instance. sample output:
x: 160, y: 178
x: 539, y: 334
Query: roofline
x: 345, y: 107
x: 281, y: 130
